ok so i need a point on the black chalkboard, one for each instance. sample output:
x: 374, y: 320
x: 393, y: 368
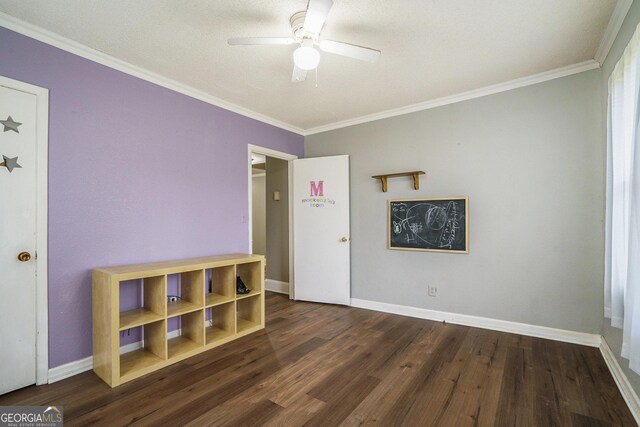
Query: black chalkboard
x: 429, y: 224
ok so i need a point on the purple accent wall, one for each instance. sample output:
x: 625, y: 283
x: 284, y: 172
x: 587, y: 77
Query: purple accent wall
x: 137, y: 173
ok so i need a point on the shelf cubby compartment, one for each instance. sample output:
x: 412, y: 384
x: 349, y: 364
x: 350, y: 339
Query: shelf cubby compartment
x: 142, y: 301
x: 189, y: 287
x: 152, y: 354
x: 251, y: 274
x: 191, y: 330
x: 249, y: 314
x: 221, y: 322
x: 222, y: 285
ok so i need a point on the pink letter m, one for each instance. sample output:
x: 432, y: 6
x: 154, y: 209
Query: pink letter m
x: 317, y: 189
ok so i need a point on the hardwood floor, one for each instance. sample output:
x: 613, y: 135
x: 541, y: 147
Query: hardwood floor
x: 325, y: 365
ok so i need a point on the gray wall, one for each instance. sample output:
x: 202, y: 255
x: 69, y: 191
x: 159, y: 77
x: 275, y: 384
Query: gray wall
x: 531, y: 162
x: 258, y: 214
x: 277, y: 220
x: 613, y: 336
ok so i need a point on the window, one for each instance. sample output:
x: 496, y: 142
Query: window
x: 622, y: 262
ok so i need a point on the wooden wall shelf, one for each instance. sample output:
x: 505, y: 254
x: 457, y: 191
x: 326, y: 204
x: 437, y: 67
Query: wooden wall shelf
x: 208, y: 317
x: 414, y: 174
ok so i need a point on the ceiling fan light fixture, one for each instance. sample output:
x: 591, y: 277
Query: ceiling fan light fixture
x: 306, y: 58
x: 306, y: 26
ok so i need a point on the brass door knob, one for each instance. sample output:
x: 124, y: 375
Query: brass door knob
x: 24, y: 256
x: 344, y: 239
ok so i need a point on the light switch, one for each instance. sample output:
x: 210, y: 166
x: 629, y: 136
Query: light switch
x: 276, y: 196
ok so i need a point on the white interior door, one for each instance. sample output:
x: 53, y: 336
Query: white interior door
x: 321, y: 229
x: 18, y: 234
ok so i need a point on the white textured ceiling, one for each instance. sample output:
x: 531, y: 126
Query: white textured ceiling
x: 430, y: 48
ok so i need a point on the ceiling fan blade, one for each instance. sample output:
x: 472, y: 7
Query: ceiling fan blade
x: 299, y: 75
x: 350, y: 50
x: 317, y: 12
x: 259, y: 41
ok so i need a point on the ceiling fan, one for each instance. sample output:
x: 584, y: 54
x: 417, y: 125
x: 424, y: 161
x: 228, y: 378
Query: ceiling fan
x: 306, y: 27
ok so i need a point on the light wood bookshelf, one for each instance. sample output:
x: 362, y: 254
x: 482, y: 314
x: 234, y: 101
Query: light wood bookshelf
x: 202, y: 318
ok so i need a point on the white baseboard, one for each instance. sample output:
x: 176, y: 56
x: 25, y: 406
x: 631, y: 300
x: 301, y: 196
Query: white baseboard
x: 629, y: 395
x: 79, y: 366
x: 276, y: 286
x: 591, y: 340
x: 70, y: 369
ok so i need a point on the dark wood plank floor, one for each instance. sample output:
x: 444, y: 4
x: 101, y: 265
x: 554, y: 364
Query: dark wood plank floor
x: 325, y: 365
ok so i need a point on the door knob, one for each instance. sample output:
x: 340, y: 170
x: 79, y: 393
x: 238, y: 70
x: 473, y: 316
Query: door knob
x: 24, y: 256
x: 344, y: 239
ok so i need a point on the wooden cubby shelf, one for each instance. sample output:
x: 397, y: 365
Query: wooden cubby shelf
x: 249, y: 295
x: 206, y: 314
x: 152, y: 353
x: 249, y: 313
x: 221, y: 287
x: 191, y: 328
x: 137, y: 361
x: 138, y: 317
x: 221, y: 323
x: 181, y: 307
x: 252, y: 274
x: 215, y: 299
x: 153, y: 305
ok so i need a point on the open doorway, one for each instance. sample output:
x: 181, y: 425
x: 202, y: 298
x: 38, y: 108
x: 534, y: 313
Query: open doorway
x: 270, y: 224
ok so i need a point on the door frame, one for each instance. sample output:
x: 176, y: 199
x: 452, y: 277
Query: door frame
x: 255, y: 149
x: 41, y: 258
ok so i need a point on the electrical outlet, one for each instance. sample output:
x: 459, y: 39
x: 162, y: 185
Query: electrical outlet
x: 433, y: 291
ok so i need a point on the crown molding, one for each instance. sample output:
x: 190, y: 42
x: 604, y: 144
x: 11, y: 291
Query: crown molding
x: 464, y: 96
x: 613, y: 27
x: 83, y: 51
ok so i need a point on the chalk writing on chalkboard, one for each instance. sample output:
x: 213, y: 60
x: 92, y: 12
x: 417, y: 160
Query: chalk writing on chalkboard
x: 429, y: 224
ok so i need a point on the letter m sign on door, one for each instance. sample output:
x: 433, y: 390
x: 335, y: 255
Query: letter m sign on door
x: 317, y: 189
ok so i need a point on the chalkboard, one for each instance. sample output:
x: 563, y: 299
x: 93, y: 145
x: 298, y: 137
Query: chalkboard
x: 429, y: 224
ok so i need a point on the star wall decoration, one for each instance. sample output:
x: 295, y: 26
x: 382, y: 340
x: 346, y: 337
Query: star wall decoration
x: 10, y: 124
x: 10, y: 163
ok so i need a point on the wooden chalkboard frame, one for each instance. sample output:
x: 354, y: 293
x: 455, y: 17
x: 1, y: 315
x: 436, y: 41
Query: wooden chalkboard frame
x: 466, y: 224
